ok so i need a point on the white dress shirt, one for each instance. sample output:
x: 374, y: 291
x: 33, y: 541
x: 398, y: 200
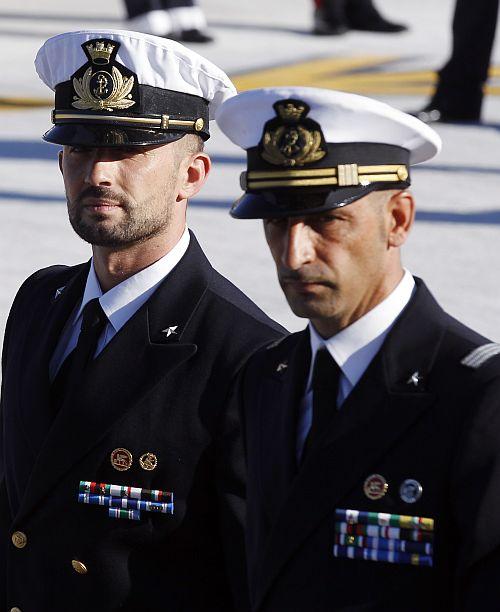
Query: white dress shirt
x: 119, y: 303
x: 353, y: 349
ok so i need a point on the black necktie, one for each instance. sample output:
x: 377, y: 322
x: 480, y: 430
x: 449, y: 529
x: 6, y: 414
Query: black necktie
x: 93, y: 323
x: 325, y: 384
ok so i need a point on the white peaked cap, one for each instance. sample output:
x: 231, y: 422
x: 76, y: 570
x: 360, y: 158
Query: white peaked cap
x: 158, y: 62
x: 343, y: 117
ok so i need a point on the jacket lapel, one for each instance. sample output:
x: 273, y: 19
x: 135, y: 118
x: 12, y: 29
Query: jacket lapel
x: 35, y: 410
x: 148, y: 348
x: 278, y: 419
x: 381, y: 408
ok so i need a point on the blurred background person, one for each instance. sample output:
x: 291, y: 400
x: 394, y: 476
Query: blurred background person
x: 177, y: 19
x: 460, y: 88
x: 333, y: 17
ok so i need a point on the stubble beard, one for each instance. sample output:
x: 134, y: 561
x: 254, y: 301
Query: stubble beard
x: 320, y: 306
x: 322, y: 302
x: 137, y: 223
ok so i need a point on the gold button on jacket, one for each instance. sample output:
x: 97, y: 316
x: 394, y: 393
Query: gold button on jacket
x: 79, y: 567
x: 19, y: 539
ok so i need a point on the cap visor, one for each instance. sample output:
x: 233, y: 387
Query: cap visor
x: 107, y: 136
x: 296, y: 202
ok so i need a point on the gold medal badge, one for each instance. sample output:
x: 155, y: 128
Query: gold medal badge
x: 292, y: 139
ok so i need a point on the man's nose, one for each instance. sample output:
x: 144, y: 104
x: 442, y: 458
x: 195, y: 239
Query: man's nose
x: 99, y: 170
x: 298, y: 248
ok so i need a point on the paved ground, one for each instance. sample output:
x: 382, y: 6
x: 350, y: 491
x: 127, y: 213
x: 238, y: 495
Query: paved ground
x: 456, y: 242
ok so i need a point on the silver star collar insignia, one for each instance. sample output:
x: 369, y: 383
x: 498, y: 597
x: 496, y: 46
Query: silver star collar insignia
x: 58, y: 292
x: 281, y: 367
x: 415, y: 379
x: 170, y: 331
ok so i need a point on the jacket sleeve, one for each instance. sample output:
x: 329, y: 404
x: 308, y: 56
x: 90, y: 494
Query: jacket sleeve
x: 475, y: 497
x: 7, y: 338
x: 231, y: 490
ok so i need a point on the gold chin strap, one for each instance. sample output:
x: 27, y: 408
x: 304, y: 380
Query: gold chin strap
x: 346, y: 175
x: 163, y: 122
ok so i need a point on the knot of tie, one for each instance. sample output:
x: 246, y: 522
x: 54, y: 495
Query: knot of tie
x: 93, y: 316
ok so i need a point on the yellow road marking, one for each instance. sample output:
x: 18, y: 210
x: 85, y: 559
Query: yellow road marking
x: 354, y: 74
x: 364, y: 74
x: 309, y: 73
x: 17, y: 103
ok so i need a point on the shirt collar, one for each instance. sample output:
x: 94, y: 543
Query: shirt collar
x: 354, y: 347
x: 123, y: 300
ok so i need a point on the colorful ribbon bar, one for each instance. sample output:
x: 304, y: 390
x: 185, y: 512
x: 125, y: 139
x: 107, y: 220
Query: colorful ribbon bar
x: 387, y: 556
x: 101, y: 488
x: 125, y: 503
x: 133, y: 515
x: 383, y: 519
x: 424, y: 548
x: 392, y: 533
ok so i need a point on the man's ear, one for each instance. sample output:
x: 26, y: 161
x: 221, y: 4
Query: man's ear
x: 401, y: 209
x: 194, y: 176
x: 60, y: 159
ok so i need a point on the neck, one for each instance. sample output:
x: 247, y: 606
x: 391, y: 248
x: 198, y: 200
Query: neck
x: 328, y: 327
x: 114, y: 265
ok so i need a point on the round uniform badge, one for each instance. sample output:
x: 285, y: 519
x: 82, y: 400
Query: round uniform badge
x: 148, y: 461
x: 375, y: 487
x: 121, y: 459
x: 410, y: 491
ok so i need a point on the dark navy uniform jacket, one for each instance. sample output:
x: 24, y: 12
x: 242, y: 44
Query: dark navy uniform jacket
x: 440, y: 428
x: 148, y: 393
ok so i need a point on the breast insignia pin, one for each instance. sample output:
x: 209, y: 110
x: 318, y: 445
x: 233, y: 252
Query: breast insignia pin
x: 410, y: 491
x: 121, y: 459
x: 148, y: 461
x: 375, y: 487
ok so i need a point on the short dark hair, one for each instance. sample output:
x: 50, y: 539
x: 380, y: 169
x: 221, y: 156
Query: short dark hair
x: 193, y: 143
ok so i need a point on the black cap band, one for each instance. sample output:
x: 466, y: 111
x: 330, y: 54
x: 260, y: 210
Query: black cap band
x: 346, y: 173
x: 343, y: 165
x: 155, y: 109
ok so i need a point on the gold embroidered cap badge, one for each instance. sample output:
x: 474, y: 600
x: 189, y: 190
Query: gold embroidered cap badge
x: 102, y: 89
x: 291, y: 139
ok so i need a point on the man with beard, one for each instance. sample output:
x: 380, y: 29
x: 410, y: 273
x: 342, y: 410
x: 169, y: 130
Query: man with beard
x: 121, y: 467
x: 373, y: 436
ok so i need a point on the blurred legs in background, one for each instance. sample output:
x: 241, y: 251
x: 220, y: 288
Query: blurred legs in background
x: 337, y: 16
x: 459, y: 92
x: 179, y: 19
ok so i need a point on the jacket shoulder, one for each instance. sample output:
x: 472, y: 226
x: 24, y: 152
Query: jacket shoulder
x: 235, y: 302
x: 44, y: 281
x: 273, y: 356
x: 481, y: 355
x: 473, y: 355
x: 460, y: 340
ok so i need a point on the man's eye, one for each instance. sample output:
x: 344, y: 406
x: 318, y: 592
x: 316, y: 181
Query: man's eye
x: 326, y: 219
x: 276, y: 221
x: 77, y: 149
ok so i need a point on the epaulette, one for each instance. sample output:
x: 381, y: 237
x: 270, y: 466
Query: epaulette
x: 481, y: 355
